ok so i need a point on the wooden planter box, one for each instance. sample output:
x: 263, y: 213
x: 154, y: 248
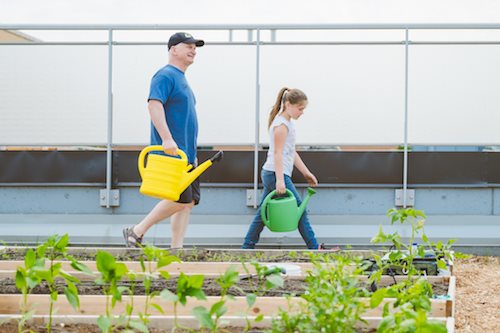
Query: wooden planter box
x: 166, y: 322
x: 95, y: 304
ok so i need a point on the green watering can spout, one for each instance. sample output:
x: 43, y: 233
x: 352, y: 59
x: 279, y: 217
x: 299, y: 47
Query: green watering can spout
x: 280, y: 213
x: 302, y: 207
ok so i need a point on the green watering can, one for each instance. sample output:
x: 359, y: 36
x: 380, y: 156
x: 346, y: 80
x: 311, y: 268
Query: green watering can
x: 281, y: 213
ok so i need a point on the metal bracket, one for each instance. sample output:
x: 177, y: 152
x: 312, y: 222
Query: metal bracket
x: 114, y: 199
x: 250, y: 197
x: 410, y: 198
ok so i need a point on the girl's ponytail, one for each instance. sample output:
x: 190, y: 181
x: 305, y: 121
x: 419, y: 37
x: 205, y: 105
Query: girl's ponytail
x: 277, y: 106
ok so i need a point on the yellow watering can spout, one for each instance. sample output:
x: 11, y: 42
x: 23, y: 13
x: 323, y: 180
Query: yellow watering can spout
x: 166, y: 177
x: 195, y: 173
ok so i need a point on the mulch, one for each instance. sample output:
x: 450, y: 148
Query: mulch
x: 477, y: 295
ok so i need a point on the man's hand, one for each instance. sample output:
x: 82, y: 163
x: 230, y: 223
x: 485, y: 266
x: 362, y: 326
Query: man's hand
x: 170, y: 147
x: 311, y: 179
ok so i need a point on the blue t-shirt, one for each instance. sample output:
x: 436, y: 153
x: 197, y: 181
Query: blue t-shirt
x: 170, y: 87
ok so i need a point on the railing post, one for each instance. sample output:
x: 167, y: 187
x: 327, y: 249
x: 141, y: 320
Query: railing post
x: 257, y: 122
x: 405, y: 154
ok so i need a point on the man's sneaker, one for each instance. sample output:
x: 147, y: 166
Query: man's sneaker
x: 322, y: 247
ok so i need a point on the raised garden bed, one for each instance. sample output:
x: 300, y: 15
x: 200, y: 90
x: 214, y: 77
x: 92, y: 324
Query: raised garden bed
x: 307, y: 287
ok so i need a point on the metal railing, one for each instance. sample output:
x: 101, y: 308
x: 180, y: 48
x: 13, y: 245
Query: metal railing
x: 258, y: 42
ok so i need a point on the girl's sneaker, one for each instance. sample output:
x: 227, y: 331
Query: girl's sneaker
x: 322, y: 247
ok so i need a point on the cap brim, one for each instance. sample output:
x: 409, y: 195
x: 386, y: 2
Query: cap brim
x: 197, y: 42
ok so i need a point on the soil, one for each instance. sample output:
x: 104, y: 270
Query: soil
x: 188, y: 255
x: 210, y: 287
x: 477, y: 295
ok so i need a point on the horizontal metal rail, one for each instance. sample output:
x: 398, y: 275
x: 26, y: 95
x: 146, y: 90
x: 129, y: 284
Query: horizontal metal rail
x: 339, y: 26
x: 297, y: 43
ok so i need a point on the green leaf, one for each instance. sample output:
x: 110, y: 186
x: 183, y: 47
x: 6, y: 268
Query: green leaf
x: 21, y: 279
x: 169, y: 296
x: 425, y: 238
x: 251, y: 298
x: 157, y: 307
x: 259, y: 318
x: 30, y: 259
x: 196, y: 281
x: 72, y: 297
x: 53, y: 295
x: 139, y: 326
x: 218, y: 308
x: 275, y: 280
x: 81, y: 267
x: 62, y: 243
x: 105, y: 262
x: 203, y: 316
x: 386, y: 324
x: 104, y: 323
x: 167, y: 260
x: 441, y: 264
x: 377, y: 297
x: 164, y: 274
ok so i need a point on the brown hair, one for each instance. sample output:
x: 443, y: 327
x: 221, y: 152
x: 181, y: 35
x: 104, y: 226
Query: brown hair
x: 293, y: 96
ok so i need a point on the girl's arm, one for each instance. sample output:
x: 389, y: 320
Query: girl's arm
x: 280, y: 133
x: 299, y: 164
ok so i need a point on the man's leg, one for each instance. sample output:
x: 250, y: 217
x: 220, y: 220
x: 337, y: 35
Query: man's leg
x: 179, y: 222
x: 163, y: 210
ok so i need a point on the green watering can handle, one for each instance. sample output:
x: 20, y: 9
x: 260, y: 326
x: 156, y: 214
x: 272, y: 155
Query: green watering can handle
x: 263, y: 207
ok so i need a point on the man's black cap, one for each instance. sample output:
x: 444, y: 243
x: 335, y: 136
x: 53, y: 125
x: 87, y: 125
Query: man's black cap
x: 184, y: 37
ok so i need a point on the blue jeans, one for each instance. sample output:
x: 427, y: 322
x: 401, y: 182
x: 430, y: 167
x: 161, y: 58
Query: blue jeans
x: 305, y: 229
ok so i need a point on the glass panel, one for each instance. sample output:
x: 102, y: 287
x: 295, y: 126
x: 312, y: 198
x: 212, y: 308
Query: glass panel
x: 454, y: 96
x: 223, y: 81
x: 53, y: 95
x: 356, y: 93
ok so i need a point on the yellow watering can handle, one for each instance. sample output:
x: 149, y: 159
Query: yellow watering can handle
x: 145, y: 151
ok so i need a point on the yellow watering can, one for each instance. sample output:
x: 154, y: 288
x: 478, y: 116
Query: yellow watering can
x: 166, y: 177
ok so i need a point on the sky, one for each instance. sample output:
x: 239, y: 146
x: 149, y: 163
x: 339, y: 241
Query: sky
x: 246, y: 11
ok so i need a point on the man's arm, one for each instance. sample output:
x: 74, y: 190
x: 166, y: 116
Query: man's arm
x: 157, y: 114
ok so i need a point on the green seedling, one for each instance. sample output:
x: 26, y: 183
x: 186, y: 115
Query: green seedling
x: 264, y: 279
x: 53, y: 249
x: 187, y: 286
x: 210, y: 318
x: 26, y: 280
x: 111, y: 274
x: 156, y: 259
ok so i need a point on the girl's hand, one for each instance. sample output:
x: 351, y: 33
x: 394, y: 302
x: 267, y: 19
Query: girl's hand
x: 280, y: 187
x: 311, y: 179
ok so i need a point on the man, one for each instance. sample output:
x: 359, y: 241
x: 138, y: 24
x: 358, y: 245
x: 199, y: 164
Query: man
x: 174, y: 125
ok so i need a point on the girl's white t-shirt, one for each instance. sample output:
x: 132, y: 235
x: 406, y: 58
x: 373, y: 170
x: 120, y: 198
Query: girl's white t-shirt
x: 288, y: 149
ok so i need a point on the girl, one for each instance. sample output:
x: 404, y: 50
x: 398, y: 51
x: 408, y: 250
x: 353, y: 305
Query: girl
x: 281, y: 158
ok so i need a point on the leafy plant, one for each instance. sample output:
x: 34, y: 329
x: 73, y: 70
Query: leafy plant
x: 111, y: 274
x: 53, y: 249
x: 156, y: 259
x: 410, y: 309
x: 210, y: 318
x: 187, y: 286
x: 332, y: 300
x: 266, y: 277
x: 26, y: 280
